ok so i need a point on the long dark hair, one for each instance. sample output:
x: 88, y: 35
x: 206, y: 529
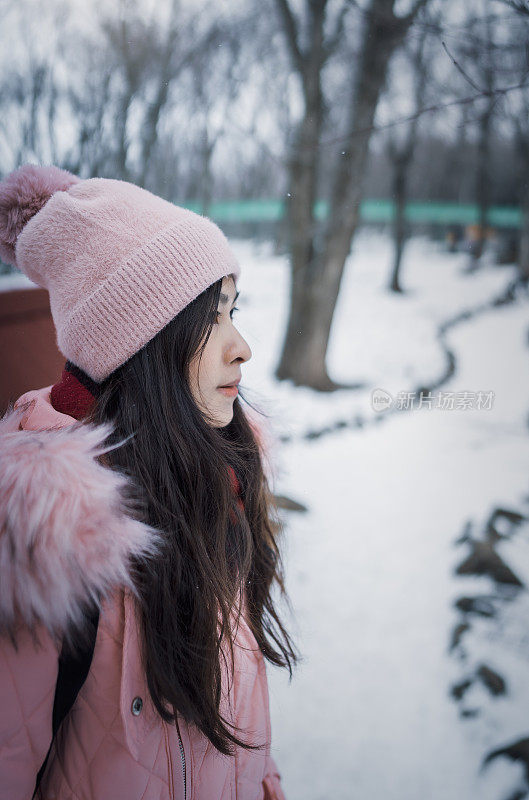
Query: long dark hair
x: 214, y: 551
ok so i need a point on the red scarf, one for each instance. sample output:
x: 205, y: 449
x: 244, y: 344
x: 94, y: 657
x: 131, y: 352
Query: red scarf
x: 72, y: 395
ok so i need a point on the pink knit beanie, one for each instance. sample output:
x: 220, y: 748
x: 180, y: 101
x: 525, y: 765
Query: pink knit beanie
x: 118, y: 261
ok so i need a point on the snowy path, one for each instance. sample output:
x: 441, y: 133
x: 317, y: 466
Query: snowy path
x: 370, y: 566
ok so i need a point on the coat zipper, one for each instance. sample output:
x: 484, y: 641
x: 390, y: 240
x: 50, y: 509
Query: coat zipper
x: 169, y: 760
x: 183, y: 757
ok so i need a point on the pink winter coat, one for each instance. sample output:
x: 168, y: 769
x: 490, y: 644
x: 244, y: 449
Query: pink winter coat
x: 64, y: 536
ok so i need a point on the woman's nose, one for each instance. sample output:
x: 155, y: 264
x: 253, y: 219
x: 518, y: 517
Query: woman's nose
x: 240, y: 348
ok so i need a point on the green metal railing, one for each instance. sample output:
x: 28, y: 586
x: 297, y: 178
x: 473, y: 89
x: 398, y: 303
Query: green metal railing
x: 370, y: 211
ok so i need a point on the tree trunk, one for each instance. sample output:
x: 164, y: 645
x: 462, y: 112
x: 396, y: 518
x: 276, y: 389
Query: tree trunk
x: 399, y: 220
x: 123, y: 142
x: 522, y: 147
x: 482, y: 181
x: 523, y: 261
x: 485, y: 125
x: 317, y: 270
x: 401, y: 158
x: 206, y: 180
x: 318, y: 259
x: 303, y: 174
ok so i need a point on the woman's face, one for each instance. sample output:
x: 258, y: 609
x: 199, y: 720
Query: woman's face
x: 221, y: 361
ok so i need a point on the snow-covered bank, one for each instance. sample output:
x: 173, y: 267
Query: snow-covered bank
x: 370, y: 567
x: 379, y: 338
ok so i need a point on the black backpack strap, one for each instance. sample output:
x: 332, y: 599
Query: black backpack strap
x: 73, y: 671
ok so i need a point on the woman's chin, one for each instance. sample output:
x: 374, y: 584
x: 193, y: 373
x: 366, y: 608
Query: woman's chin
x: 222, y: 418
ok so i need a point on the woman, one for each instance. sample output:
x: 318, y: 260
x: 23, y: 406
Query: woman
x: 134, y: 488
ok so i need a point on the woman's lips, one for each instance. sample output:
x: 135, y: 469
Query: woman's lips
x: 229, y: 391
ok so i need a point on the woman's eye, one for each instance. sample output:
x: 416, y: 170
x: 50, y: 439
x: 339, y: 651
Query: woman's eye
x: 219, y: 313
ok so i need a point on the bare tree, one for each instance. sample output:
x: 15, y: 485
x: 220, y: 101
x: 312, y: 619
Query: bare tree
x: 150, y: 58
x: 496, y: 53
x: 180, y: 49
x: 89, y: 98
x: 522, y: 141
x: 214, y: 94
x: 522, y: 6
x: 28, y: 88
x: 518, y: 114
x: 482, y: 54
x: 401, y: 147
x: 135, y: 89
x: 318, y: 256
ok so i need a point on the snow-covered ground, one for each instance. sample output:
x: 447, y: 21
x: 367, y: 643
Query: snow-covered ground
x: 370, y: 566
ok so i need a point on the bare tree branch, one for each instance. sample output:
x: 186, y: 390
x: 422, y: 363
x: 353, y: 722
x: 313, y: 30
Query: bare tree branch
x: 334, y: 39
x: 521, y: 6
x: 290, y: 28
x: 428, y: 110
x: 405, y: 21
x: 417, y: 6
x: 460, y: 69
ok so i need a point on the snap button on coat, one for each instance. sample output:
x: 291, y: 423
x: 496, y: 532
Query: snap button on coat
x: 137, y: 705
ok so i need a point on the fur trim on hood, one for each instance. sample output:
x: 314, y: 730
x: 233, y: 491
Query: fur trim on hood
x: 67, y: 533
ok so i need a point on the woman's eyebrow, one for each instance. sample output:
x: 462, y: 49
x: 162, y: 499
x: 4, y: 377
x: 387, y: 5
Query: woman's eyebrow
x: 224, y: 298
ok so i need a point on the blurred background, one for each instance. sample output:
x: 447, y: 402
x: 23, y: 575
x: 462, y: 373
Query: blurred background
x: 369, y: 162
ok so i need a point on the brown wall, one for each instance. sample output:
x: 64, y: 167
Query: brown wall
x: 29, y: 358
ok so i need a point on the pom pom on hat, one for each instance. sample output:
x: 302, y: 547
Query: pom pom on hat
x: 22, y: 194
